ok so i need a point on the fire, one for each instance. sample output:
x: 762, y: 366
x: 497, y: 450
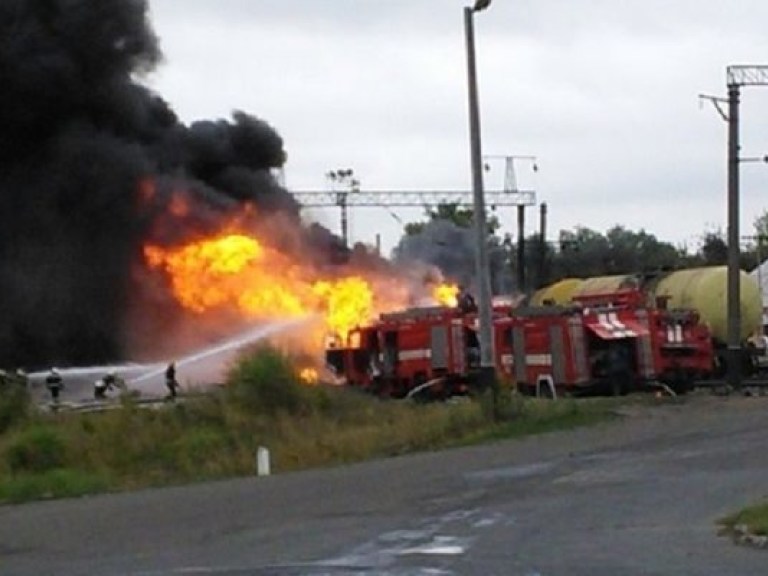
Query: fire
x: 309, y: 376
x: 349, y: 303
x: 236, y: 271
x: 446, y: 294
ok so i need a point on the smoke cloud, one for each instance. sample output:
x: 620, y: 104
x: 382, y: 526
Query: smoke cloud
x: 451, y: 248
x: 90, y: 163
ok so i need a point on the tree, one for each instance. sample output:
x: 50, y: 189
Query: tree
x: 714, y: 249
x: 761, y: 227
x: 584, y: 253
x: 450, y: 212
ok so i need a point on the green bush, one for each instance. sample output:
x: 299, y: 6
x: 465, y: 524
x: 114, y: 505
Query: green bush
x: 264, y: 381
x: 14, y: 406
x: 37, y: 449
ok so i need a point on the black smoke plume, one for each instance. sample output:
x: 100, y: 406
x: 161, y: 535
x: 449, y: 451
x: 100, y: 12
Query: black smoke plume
x: 80, y: 139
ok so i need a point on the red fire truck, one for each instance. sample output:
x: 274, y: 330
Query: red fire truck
x: 434, y: 346
x: 609, y: 343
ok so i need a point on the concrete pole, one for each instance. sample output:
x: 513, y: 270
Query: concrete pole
x: 542, y: 280
x: 342, y: 201
x: 734, y: 271
x: 521, y: 248
x: 481, y: 255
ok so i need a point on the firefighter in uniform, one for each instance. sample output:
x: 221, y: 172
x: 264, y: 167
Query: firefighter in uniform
x: 104, y: 385
x: 170, y: 380
x: 100, y: 389
x: 54, y: 383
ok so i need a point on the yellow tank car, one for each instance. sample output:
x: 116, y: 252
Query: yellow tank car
x: 705, y: 290
x: 559, y: 293
x: 606, y: 285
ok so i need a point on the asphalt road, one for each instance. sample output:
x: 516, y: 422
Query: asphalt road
x: 634, y: 497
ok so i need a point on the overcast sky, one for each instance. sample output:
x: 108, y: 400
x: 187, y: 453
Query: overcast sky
x: 603, y: 92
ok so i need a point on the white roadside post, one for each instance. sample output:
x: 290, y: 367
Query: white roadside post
x: 262, y: 461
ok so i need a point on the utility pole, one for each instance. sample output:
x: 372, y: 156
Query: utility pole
x: 734, y: 270
x: 485, y: 312
x: 736, y: 77
x: 510, y: 186
x: 542, y: 272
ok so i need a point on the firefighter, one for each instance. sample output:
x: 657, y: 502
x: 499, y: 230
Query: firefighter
x: 170, y: 380
x: 54, y: 383
x: 100, y: 389
x: 465, y: 302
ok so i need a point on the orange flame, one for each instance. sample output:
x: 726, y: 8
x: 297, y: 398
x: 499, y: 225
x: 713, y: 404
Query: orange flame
x: 349, y: 303
x: 446, y: 294
x: 238, y: 272
x: 309, y: 376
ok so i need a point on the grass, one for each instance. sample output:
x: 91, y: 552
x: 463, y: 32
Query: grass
x: 58, y: 483
x: 753, y: 518
x: 264, y: 404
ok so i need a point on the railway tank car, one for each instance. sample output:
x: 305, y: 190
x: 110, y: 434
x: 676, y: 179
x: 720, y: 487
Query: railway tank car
x: 702, y: 289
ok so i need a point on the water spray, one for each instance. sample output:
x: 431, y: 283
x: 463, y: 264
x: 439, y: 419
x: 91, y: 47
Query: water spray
x: 253, y: 335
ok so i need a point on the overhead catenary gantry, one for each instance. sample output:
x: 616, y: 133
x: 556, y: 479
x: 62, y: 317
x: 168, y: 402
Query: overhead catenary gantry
x: 411, y: 198
x: 350, y: 197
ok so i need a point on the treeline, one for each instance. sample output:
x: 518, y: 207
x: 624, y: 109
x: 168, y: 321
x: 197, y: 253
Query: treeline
x: 446, y: 239
x: 583, y: 252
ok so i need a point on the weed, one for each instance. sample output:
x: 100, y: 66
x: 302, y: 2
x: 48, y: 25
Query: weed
x: 753, y: 518
x: 37, y: 449
x: 56, y: 483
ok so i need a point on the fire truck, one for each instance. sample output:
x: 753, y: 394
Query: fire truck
x: 606, y: 343
x: 437, y: 347
x: 610, y: 343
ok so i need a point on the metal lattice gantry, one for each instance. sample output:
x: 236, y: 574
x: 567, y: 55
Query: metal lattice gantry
x: 747, y: 75
x: 411, y: 198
